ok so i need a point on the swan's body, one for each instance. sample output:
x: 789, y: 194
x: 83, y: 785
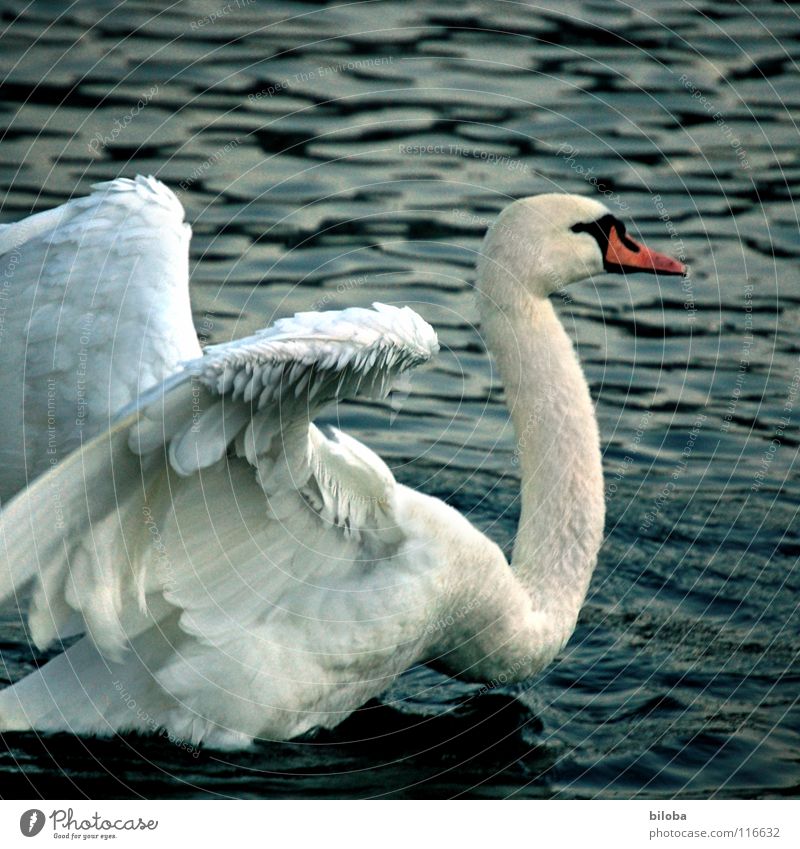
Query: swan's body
x: 239, y: 574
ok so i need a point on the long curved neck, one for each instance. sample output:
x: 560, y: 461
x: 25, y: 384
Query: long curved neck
x: 558, y: 452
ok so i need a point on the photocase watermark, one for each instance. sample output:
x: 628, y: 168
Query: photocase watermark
x: 52, y: 429
x: 197, y: 408
x: 460, y: 150
x: 81, y: 402
x: 471, y: 217
x: 213, y: 17
x: 158, y: 544
x: 509, y: 233
x: 66, y: 824
x: 130, y: 702
x: 322, y: 71
x: 783, y: 424
x: 205, y: 328
x: 450, y: 619
x: 680, y: 467
x: 744, y: 359
x: 508, y: 677
x: 728, y: 132
x: 51, y: 421
x: 101, y: 140
x: 678, y: 249
x: 32, y: 822
x: 342, y: 287
x: 12, y: 261
x: 201, y: 169
x: 23, y: 230
x: 629, y: 459
x: 570, y: 154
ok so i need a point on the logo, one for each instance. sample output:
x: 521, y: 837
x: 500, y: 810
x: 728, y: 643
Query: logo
x: 31, y: 822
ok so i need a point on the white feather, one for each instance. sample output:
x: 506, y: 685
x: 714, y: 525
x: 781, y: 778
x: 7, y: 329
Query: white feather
x: 96, y: 310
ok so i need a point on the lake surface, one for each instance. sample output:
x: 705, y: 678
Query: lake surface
x: 333, y: 156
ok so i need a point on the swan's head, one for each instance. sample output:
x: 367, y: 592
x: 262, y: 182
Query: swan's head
x: 542, y: 243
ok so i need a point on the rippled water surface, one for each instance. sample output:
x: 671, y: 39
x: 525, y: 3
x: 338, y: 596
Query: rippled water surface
x: 336, y: 155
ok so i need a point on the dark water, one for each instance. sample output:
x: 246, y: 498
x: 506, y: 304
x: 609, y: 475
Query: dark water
x: 682, y: 678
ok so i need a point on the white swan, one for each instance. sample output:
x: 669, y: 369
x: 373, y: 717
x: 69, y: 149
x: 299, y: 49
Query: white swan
x: 237, y: 574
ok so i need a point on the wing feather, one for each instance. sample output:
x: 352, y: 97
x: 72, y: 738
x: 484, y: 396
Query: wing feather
x: 96, y: 310
x: 222, y: 555
x: 104, y: 557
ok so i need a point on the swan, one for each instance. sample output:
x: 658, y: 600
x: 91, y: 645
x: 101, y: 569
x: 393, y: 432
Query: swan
x: 230, y: 571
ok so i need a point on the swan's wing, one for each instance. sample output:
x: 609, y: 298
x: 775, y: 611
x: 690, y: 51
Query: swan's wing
x: 217, y: 504
x: 95, y: 308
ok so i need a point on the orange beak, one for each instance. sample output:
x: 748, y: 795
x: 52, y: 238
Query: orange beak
x: 626, y: 254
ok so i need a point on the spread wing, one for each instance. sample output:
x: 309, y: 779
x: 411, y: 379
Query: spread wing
x: 215, y: 504
x: 95, y: 309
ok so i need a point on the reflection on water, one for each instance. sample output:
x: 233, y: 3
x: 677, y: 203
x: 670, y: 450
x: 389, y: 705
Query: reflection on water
x: 333, y: 156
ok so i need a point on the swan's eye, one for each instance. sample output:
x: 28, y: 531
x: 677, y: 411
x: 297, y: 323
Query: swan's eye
x: 600, y: 229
